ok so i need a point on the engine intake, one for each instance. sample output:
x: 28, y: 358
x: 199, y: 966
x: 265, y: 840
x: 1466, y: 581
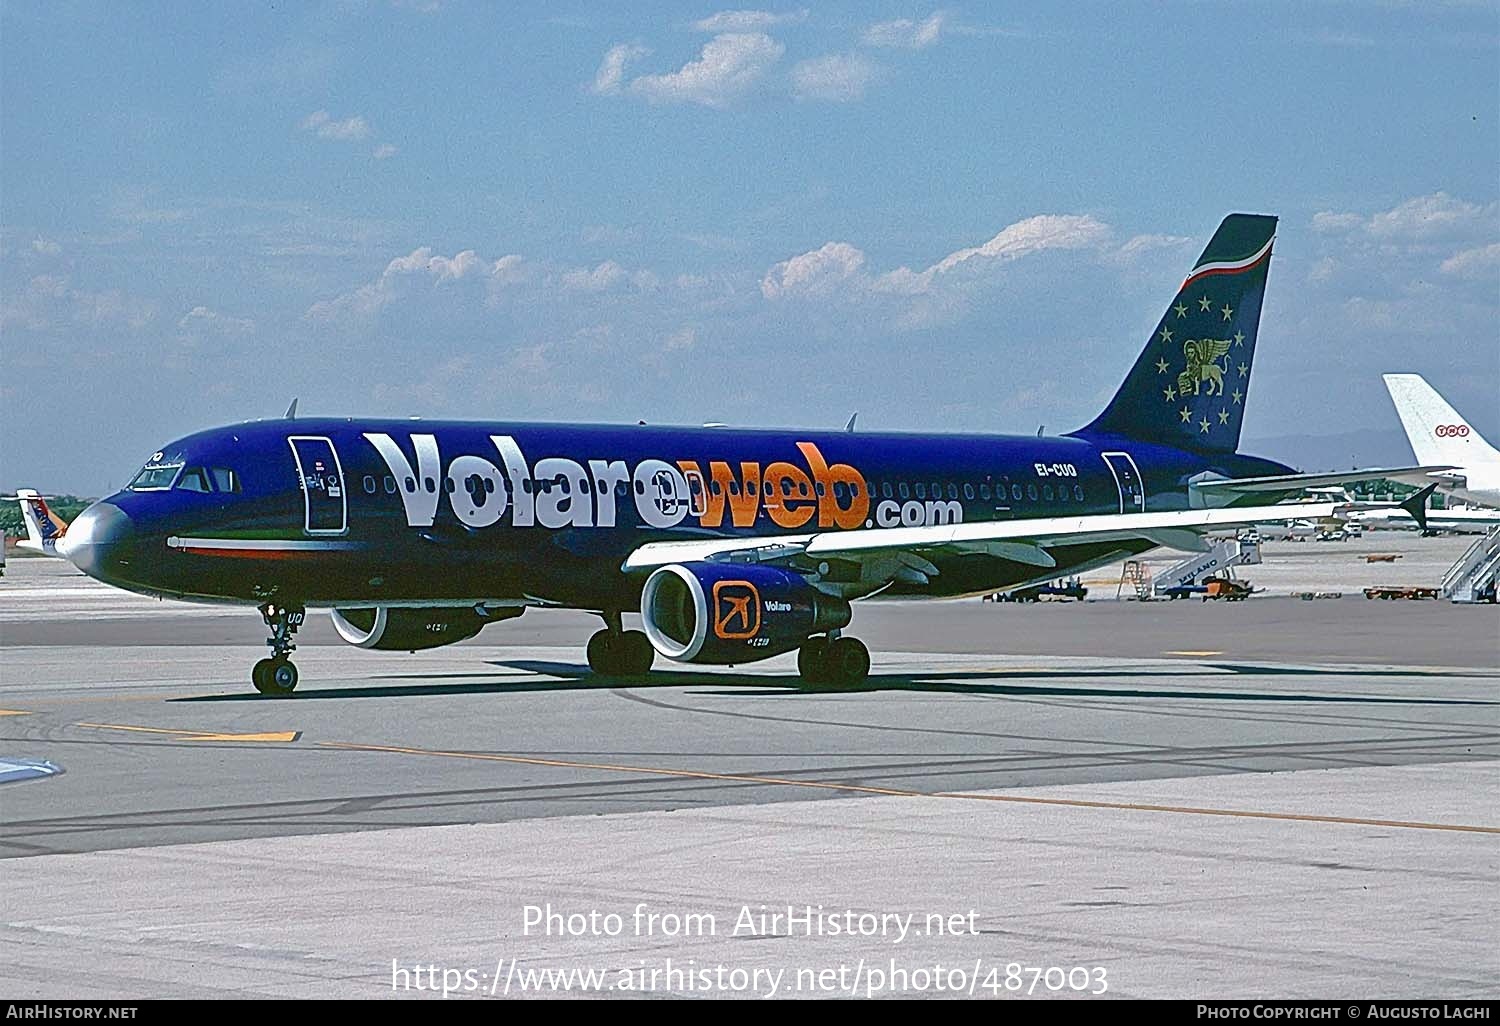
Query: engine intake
x: 734, y: 612
x: 400, y: 629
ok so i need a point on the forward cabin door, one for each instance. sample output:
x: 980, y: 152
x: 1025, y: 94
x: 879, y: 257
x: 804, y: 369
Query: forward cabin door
x: 322, y: 479
x: 1128, y: 481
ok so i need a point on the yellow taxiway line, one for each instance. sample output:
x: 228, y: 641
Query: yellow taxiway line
x: 282, y: 736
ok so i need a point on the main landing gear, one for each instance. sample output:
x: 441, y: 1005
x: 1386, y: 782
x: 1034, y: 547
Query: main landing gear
x: 277, y: 675
x: 834, y: 661
x: 616, y: 652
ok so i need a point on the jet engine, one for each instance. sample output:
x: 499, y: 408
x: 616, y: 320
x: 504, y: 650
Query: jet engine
x: 400, y: 629
x: 734, y: 612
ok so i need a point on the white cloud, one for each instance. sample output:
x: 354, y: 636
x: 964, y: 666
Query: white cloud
x: 46, y: 247
x: 1330, y: 223
x: 611, y: 73
x: 939, y: 293
x: 906, y: 34
x: 1479, y: 264
x: 1045, y: 231
x: 49, y: 303
x: 816, y: 273
x: 384, y: 151
x: 1425, y: 217
x: 728, y: 67
x: 594, y: 279
x: 748, y: 21
x: 836, y: 78
x: 1419, y: 219
x: 405, y: 273
x: 322, y: 124
x: 200, y: 321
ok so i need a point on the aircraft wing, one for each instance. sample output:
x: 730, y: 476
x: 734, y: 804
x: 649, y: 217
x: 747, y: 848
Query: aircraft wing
x: 1292, y: 482
x: 1025, y: 541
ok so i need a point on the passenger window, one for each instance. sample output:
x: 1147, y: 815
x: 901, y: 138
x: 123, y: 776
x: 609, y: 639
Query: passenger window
x: 984, y: 491
x: 390, y: 485
x: 526, y: 485
x: 1047, y: 492
x: 431, y: 485
x: 226, y: 480
x: 1078, y: 492
x: 953, y: 491
x: 411, y: 484
x: 905, y: 492
x: 640, y: 488
x: 885, y: 489
x: 489, y: 485
x: 1062, y: 493
x: 921, y: 490
x: 1015, y: 491
x: 968, y: 491
x: 821, y: 489
x: 715, y: 487
x: 194, y: 479
x: 839, y: 492
x: 1031, y: 492
x: 369, y: 484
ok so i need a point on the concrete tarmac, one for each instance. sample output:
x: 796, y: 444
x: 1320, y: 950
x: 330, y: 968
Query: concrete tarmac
x: 1275, y: 798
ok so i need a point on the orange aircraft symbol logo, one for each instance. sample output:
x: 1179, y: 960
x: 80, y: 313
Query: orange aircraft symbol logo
x: 736, y: 610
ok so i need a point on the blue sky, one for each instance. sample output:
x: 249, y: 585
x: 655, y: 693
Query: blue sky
x: 947, y: 217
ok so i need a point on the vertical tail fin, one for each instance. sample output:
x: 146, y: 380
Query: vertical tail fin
x: 1437, y: 433
x: 1188, y: 386
x: 43, y: 527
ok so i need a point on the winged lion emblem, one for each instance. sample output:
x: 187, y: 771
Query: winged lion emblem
x: 1203, y: 365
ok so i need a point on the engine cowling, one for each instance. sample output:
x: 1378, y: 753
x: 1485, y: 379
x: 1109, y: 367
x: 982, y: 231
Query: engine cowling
x: 733, y: 612
x: 401, y: 629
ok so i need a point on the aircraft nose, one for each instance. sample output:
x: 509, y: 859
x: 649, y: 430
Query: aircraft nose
x: 96, y: 540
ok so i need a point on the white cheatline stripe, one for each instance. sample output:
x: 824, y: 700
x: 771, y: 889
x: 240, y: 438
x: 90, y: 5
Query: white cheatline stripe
x: 1230, y: 265
x: 253, y: 544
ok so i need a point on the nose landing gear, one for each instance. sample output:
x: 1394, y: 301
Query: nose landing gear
x: 277, y: 675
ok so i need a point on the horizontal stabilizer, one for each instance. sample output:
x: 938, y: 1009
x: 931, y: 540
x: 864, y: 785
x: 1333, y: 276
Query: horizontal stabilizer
x: 1292, y: 482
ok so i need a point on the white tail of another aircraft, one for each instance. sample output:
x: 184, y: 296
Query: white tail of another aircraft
x: 1438, y: 434
x: 43, y: 527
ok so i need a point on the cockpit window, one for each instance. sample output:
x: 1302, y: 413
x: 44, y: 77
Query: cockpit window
x: 225, y: 479
x: 194, y: 479
x: 155, y: 477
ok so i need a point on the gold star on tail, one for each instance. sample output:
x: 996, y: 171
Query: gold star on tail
x: 1223, y: 416
x: 1203, y: 425
x: 1161, y: 366
x: 1187, y: 415
x: 1205, y: 303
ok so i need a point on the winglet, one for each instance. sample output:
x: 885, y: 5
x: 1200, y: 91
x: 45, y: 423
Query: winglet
x: 1416, y: 505
x: 291, y: 411
x: 849, y: 427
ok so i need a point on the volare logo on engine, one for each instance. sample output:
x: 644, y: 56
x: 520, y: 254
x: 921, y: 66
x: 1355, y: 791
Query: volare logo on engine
x: 557, y: 492
x: 736, y: 610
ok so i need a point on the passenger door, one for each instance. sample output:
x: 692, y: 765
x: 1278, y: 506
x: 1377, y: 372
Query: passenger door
x: 322, y: 480
x: 1128, y: 481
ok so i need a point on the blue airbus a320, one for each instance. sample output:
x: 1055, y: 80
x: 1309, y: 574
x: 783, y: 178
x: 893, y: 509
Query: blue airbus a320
x: 734, y: 546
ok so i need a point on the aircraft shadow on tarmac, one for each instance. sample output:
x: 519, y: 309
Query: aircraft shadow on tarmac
x: 573, y: 677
